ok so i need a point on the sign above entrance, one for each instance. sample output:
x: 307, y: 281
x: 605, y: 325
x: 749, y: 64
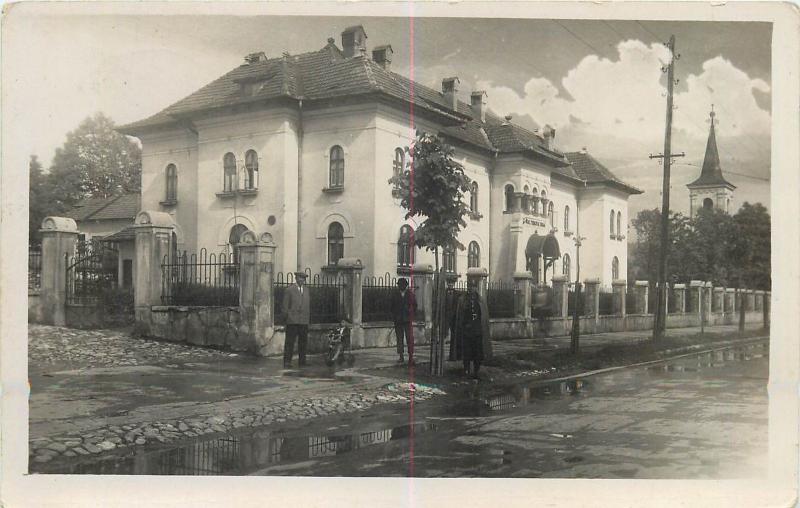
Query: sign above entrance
x: 533, y: 222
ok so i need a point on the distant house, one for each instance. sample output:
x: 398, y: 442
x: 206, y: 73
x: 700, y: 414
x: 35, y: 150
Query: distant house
x: 98, y: 218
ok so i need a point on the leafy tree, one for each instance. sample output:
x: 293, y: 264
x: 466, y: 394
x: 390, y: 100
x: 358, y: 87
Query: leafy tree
x: 750, y: 251
x: 39, y: 205
x: 681, y: 257
x: 432, y: 187
x: 95, y: 161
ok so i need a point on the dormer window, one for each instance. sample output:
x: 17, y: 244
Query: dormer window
x: 250, y: 88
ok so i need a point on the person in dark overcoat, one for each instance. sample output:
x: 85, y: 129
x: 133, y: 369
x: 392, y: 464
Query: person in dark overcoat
x: 403, y: 305
x: 297, y: 308
x: 472, y: 329
x: 451, y: 302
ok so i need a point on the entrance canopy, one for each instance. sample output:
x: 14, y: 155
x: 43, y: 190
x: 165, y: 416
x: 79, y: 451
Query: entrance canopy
x: 545, y: 246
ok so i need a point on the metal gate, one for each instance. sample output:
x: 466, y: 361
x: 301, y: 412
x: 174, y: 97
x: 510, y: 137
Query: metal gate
x: 92, y: 280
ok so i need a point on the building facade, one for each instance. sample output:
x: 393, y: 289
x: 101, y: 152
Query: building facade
x: 303, y: 147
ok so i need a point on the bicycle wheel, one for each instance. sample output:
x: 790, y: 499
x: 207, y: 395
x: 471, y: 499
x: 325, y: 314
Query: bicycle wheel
x: 333, y: 354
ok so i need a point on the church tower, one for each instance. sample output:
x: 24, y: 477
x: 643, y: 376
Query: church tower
x: 710, y: 190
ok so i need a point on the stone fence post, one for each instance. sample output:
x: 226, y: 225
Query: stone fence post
x: 751, y: 300
x: 153, y: 235
x: 423, y: 282
x: 708, y: 290
x: 619, y: 288
x: 480, y: 275
x: 256, y: 290
x: 642, y: 287
x: 560, y: 296
x: 522, y: 294
x: 729, y: 294
x: 696, y: 288
x: 59, y: 235
x: 759, y: 300
x: 351, y: 269
x: 679, y: 293
x: 719, y: 300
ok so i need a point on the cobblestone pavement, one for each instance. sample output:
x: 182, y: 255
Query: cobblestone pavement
x: 85, y: 349
x: 96, y: 391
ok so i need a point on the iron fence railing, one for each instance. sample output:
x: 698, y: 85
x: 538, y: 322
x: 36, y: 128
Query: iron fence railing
x: 376, y: 298
x: 34, y: 268
x: 207, y: 280
x: 326, y: 294
x: 581, y: 303
x: 91, y: 273
x: 630, y: 302
x: 500, y: 298
x: 606, y: 306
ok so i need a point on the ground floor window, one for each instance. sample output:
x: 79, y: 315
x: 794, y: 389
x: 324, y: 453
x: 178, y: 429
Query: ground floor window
x: 473, y: 255
x: 565, y: 266
x: 335, y: 243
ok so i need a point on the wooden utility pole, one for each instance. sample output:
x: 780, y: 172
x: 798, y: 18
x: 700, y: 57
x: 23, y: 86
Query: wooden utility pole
x: 574, y: 343
x: 659, y: 323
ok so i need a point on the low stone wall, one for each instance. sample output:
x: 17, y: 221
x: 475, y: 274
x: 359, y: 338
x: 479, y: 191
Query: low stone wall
x: 35, y: 308
x: 203, y: 326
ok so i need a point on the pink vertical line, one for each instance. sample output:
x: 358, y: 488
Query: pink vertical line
x: 411, y: 340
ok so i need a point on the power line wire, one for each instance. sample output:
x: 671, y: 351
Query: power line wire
x: 576, y: 36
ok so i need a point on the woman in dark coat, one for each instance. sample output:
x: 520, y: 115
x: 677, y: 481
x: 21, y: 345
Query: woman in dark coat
x: 472, y: 329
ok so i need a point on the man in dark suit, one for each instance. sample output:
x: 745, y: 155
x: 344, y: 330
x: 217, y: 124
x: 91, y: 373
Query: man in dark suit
x: 403, y: 305
x: 296, y: 306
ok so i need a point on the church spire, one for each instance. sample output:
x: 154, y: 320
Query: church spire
x: 711, y: 174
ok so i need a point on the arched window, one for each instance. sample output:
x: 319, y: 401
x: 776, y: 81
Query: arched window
x: 398, y: 166
x: 234, y: 238
x: 172, y: 183
x: 335, y: 243
x: 566, y: 218
x: 611, y: 222
x: 509, y: 198
x: 550, y: 211
x: 336, y: 167
x: 615, y: 268
x: 473, y: 255
x: 251, y: 165
x: 229, y: 167
x: 473, y: 198
x: 565, y: 266
x: 405, y: 247
x: 533, y: 201
x: 449, y: 259
x: 708, y: 203
x: 619, y: 224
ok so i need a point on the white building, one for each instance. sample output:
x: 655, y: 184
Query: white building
x: 303, y: 146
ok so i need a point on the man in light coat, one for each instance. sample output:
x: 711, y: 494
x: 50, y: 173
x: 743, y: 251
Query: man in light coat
x: 296, y: 307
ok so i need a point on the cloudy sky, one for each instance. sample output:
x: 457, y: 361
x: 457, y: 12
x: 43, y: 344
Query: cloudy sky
x: 599, y: 83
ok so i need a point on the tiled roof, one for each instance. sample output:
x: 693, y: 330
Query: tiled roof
x: 123, y: 206
x: 588, y: 169
x: 126, y: 234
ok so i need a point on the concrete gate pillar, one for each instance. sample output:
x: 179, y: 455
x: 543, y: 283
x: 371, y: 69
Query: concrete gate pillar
x: 560, y: 296
x: 481, y: 276
x: 642, y: 287
x: 351, y: 269
x: 423, y: 281
x: 707, y: 295
x: 522, y: 295
x: 679, y: 293
x: 59, y: 235
x: 696, y: 288
x: 153, y: 235
x: 256, y: 292
x: 719, y: 300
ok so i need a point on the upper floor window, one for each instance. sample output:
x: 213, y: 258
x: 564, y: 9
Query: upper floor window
x: 473, y: 198
x: 566, y: 218
x: 615, y: 268
x: 172, y: 183
x: 449, y: 259
x: 398, y: 166
x: 473, y: 255
x: 335, y: 243
x: 611, y: 222
x: 509, y: 197
x: 565, y: 265
x: 229, y: 170
x: 234, y: 239
x: 336, y: 178
x: 619, y: 224
x: 550, y: 210
x: 405, y: 247
x: 251, y: 168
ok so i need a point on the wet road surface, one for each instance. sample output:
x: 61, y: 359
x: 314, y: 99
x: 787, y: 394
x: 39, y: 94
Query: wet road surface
x: 701, y: 416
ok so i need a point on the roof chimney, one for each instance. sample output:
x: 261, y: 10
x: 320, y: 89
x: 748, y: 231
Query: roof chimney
x: 255, y: 58
x: 478, y: 103
x: 584, y: 151
x: 549, y: 135
x: 507, y: 119
x: 450, y: 92
x: 354, y: 41
x: 382, y: 55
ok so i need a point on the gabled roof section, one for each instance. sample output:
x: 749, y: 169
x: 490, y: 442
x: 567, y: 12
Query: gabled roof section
x: 711, y: 174
x: 121, y: 207
x: 591, y: 171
